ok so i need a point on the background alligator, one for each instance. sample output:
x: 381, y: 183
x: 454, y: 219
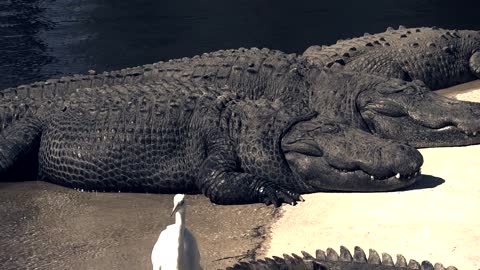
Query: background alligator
x: 331, y: 260
x: 438, y: 57
x: 389, y: 108
x: 171, y: 137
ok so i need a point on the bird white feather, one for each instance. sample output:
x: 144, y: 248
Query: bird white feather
x: 176, y: 247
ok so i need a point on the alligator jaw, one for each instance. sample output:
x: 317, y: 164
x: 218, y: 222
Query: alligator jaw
x: 330, y: 155
x: 421, y: 134
x: 326, y: 177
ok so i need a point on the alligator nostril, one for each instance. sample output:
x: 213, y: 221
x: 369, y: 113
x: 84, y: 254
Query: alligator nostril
x: 407, y: 159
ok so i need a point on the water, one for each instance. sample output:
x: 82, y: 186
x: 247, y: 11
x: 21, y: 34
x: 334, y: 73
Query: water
x: 43, y: 39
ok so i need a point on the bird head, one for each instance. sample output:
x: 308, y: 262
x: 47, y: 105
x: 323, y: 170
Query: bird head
x: 178, y: 202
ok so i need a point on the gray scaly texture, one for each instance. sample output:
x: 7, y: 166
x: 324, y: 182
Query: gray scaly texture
x: 162, y: 137
x: 178, y: 136
x: 389, y: 108
x: 438, y: 57
x: 331, y: 260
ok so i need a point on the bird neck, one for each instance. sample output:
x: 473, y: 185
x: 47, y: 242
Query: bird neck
x: 180, y: 217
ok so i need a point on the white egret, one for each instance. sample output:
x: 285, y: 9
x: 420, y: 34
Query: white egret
x: 176, y: 247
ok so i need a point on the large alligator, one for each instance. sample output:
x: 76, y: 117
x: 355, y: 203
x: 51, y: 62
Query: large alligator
x: 331, y: 260
x: 171, y: 137
x: 438, y: 57
x: 389, y: 108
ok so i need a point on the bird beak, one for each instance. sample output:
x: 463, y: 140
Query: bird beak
x: 174, y: 209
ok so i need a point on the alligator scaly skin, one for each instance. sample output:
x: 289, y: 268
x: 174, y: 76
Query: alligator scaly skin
x: 331, y: 260
x: 165, y: 137
x: 438, y: 57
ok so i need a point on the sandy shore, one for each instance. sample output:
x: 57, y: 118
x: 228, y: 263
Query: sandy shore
x: 48, y: 227
x: 437, y: 220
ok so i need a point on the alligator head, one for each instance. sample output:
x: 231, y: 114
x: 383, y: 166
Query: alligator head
x: 411, y: 113
x: 330, y: 155
x: 406, y: 112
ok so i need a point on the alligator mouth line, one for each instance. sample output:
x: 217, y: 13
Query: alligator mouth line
x: 449, y: 128
x: 397, y: 176
x: 355, y: 173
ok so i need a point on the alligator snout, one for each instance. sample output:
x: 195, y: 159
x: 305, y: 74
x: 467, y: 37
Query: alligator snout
x: 419, y: 117
x: 341, y: 157
x: 393, y: 160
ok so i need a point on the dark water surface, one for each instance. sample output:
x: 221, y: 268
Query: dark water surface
x: 42, y: 39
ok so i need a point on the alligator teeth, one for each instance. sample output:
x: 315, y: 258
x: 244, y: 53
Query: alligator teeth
x: 474, y: 133
x: 445, y: 128
x: 371, y: 177
x: 397, y: 176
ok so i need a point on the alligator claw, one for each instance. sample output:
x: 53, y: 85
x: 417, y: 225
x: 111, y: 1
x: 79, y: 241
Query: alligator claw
x: 276, y: 195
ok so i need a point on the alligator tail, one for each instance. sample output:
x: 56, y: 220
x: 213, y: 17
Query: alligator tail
x: 343, y: 261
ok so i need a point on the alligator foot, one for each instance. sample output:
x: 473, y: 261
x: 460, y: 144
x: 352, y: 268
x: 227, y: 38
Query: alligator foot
x: 276, y: 195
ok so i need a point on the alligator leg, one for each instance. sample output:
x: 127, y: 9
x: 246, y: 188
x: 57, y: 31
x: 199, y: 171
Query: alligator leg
x: 19, y: 144
x: 223, y: 184
x: 222, y: 179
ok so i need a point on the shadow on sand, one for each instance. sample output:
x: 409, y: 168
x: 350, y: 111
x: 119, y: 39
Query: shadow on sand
x: 426, y: 181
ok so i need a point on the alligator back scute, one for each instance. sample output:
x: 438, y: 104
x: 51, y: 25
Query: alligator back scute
x: 331, y: 260
x: 254, y: 73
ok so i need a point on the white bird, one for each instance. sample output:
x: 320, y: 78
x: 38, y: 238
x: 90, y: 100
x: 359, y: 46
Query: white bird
x: 176, y: 247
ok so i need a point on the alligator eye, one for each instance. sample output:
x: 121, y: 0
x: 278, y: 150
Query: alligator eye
x: 387, y: 109
x: 325, y: 128
x: 391, y: 89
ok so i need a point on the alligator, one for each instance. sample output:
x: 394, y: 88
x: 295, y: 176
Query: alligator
x: 389, y: 108
x: 438, y: 57
x: 175, y: 137
x: 331, y: 260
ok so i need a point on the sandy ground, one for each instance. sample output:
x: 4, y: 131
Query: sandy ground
x: 45, y: 226
x: 438, y: 219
